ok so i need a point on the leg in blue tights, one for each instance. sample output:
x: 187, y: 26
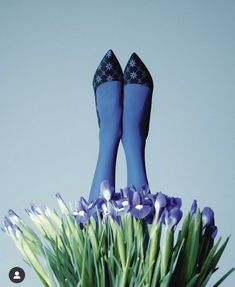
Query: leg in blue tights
x: 109, y: 106
x: 108, y: 88
x: 137, y: 100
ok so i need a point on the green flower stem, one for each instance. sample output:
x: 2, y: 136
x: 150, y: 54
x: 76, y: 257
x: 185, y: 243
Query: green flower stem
x: 126, y: 270
x: 121, y: 246
x: 167, y: 249
x: 192, y: 246
x: 154, y: 246
x: 33, y: 260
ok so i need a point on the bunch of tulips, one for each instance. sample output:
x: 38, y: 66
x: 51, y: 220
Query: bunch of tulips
x: 123, y: 238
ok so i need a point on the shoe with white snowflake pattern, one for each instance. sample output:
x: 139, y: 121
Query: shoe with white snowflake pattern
x: 109, y: 70
x: 137, y: 73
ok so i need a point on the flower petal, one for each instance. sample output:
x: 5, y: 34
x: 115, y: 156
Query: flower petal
x: 140, y: 211
x: 208, y: 217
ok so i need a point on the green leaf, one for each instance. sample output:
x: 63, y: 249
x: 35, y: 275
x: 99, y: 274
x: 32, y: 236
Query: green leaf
x: 204, y: 283
x: 207, y: 265
x: 51, y: 275
x: 223, y: 277
x: 156, y: 274
x: 167, y: 249
x: 192, y: 245
x: 165, y: 280
x: 153, y: 249
x: 219, y: 253
x: 193, y: 280
x: 121, y: 246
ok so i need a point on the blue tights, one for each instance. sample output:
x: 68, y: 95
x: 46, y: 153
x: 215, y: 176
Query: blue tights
x: 124, y: 115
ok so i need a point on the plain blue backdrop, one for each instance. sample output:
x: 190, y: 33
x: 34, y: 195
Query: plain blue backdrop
x: 49, y: 51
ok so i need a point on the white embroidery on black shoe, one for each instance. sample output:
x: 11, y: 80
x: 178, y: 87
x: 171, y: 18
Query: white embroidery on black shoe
x: 137, y: 73
x: 108, y: 70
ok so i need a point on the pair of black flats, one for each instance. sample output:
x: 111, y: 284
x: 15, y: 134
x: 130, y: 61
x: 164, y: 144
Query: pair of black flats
x: 110, y: 70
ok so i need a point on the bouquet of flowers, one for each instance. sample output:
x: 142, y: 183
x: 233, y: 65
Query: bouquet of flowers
x: 123, y: 238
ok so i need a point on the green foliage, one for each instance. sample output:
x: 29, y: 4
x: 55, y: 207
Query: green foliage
x: 103, y: 253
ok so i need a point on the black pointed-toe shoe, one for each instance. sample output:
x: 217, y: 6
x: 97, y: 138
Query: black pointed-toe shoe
x: 108, y: 70
x: 137, y: 73
x: 138, y: 89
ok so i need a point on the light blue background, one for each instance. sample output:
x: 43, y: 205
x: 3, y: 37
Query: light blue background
x: 49, y: 51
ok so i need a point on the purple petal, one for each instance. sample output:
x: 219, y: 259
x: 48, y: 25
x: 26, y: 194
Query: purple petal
x: 29, y: 212
x: 78, y: 205
x: 176, y: 215
x: 100, y: 202
x: 84, y: 205
x: 117, y: 195
x: 35, y: 209
x: 162, y: 216
x: 214, y: 231
x: 140, y: 211
x: 173, y: 216
x: 123, y: 203
x: 81, y: 216
x: 173, y: 202
x: 193, y: 207
x: 12, y: 213
x: 135, y: 198
x: 145, y: 189
x: 208, y: 216
x: 106, y: 191
x: 58, y: 196
x: 7, y: 223
x: 130, y: 195
x: 160, y: 201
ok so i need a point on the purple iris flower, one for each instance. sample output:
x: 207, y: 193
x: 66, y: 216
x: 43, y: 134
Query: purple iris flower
x: 172, y: 217
x: 88, y: 206
x: 173, y: 202
x: 29, y: 212
x: 144, y: 190
x: 208, y: 220
x: 193, y: 207
x: 35, y: 209
x: 160, y: 201
x: 10, y: 228
x: 117, y: 195
x: 114, y: 211
x: 59, y: 197
x: 106, y: 194
x: 128, y: 193
x: 146, y: 195
x: 106, y: 191
x: 80, y: 213
x: 208, y: 217
x: 7, y: 224
x: 14, y: 218
x: 12, y: 213
x: 123, y: 204
x: 139, y: 208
